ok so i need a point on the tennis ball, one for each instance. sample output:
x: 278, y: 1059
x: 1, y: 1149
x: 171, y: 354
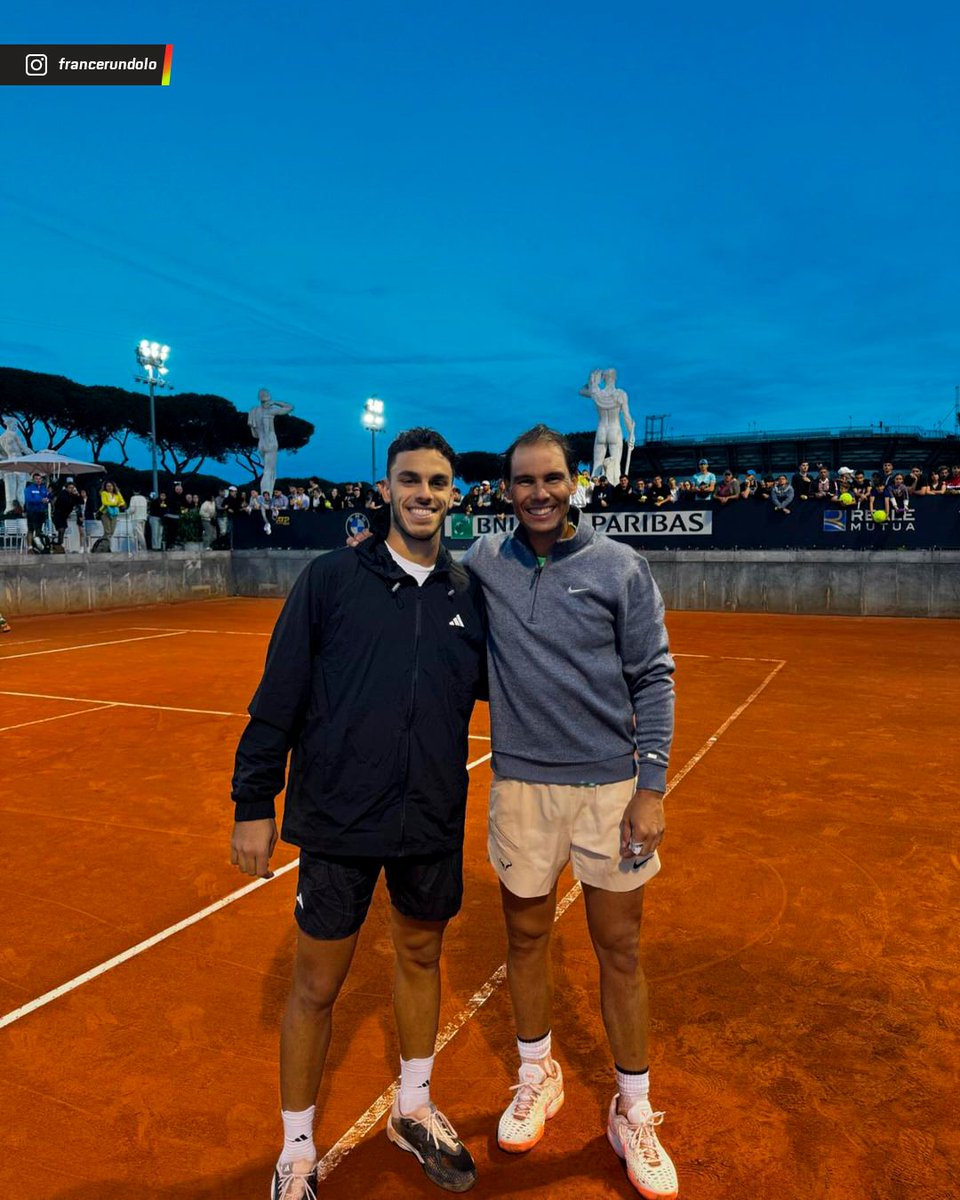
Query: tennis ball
x: 879, y: 515
x: 846, y: 498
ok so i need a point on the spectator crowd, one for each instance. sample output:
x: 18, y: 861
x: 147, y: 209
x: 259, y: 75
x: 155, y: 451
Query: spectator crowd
x: 887, y: 488
x: 168, y: 519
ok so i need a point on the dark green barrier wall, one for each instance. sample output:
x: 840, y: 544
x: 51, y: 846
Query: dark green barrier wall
x: 931, y: 522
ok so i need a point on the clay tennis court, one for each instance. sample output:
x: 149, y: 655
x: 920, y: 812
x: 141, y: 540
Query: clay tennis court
x: 801, y: 940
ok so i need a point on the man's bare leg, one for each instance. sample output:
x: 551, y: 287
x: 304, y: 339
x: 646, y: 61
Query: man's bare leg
x: 416, y: 989
x: 415, y: 1123
x: 319, y: 971
x: 529, y: 966
x: 539, y: 1094
x: 614, y: 920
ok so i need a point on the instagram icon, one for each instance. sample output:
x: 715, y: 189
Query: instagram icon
x: 36, y: 64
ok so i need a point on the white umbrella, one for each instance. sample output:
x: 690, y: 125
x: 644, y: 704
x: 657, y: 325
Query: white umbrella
x: 48, y: 462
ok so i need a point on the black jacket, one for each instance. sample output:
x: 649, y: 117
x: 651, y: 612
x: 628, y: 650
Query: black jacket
x: 370, y: 680
x: 65, y: 505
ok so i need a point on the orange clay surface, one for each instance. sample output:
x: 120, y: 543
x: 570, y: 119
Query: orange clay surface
x: 800, y: 942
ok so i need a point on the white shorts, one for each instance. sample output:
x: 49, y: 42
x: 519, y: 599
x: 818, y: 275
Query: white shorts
x: 536, y: 828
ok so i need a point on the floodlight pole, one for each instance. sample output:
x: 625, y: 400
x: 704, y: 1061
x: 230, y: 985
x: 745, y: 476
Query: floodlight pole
x: 155, y: 486
x: 152, y: 356
x: 373, y: 419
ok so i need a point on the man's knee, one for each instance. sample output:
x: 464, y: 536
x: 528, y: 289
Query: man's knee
x: 316, y: 988
x: 418, y: 946
x: 621, y: 955
x: 615, y: 921
x: 320, y: 970
x: 525, y: 939
x: 529, y: 923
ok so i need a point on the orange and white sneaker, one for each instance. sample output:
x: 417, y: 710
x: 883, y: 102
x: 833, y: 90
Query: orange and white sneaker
x: 634, y: 1137
x: 539, y: 1096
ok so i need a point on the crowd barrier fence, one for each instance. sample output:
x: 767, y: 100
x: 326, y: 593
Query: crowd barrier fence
x: 928, y: 523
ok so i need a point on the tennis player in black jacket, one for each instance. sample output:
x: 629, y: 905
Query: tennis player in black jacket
x: 369, y: 683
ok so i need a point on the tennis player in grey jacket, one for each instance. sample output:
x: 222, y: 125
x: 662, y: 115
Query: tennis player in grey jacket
x: 581, y: 703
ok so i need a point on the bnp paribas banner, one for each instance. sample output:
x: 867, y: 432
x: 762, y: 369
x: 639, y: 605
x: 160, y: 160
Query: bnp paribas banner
x: 929, y: 522
x: 686, y: 523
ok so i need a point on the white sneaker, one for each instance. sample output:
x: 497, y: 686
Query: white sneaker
x: 539, y: 1097
x: 634, y: 1137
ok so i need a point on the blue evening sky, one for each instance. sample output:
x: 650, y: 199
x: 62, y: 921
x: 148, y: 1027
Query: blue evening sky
x: 750, y: 209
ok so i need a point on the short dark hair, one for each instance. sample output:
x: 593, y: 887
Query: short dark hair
x: 421, y: 438
x: 540, y: 433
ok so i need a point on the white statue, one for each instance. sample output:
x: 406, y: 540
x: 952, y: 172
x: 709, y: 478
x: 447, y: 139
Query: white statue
x: 12, y: 445
x: 260, y: 420
x: 611, y: 401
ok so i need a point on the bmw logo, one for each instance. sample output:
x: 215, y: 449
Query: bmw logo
x: 356, y: 524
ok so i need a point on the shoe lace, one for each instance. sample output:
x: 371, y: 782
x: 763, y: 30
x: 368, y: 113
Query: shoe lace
x: 289, y: 1179
x: 642, y: 1138
x: 527, y: 1095
x: 439, y: 1130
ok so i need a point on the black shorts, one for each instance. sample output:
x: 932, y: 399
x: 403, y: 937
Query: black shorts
x: 334, y: 894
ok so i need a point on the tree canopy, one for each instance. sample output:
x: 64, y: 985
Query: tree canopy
x: 192, y: 428
x: 475, y: 465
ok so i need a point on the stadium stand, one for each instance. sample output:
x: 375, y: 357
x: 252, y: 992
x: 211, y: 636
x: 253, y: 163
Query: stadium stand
x: 771, y: 453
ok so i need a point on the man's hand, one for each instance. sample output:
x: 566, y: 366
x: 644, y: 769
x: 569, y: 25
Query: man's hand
x: 642, y: 827
x: 252, y: 844
x: 357, y: 539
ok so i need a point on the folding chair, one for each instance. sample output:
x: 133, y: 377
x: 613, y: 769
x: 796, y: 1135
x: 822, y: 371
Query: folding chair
x: 14, y: 534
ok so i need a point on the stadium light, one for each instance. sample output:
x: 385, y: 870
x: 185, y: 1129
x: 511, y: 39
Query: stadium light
x: 373, y: 418
x: 152, y: 357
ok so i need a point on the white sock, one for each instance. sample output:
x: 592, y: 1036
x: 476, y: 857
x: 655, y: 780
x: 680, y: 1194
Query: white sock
x: 634, y: 1087
x: 414, y: 1083
x: 534, y: 1051
x: 298, y: 1135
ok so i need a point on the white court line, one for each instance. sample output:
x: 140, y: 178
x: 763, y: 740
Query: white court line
x: 365, y: 1123
x: 205, y: 712
x: 90, y: 646
x: 382, y: 1105
x: 79, y: 712
x: 116, y: 961
x: 726, y: 657
x: 367, y: 1120
x: 126, y: 955
x: 712, y: 740
x: 224, y: 632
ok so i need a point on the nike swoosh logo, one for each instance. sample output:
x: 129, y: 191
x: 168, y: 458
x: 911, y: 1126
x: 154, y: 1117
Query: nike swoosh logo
x: 575, y: 591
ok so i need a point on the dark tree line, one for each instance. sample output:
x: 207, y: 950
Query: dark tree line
x: 475, y: 465
x: 191, y: 428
